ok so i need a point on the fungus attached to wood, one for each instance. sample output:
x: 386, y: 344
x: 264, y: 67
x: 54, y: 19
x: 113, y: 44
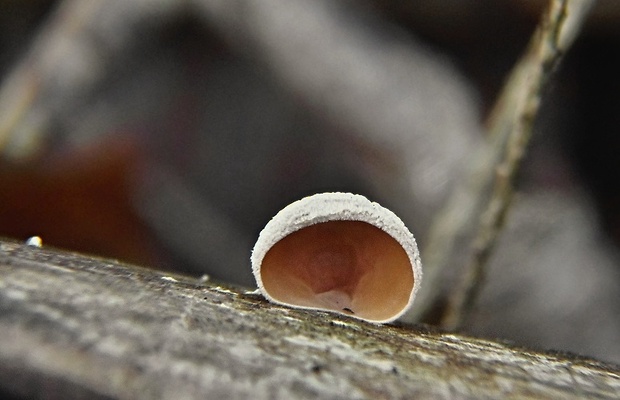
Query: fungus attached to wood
x: 338, y: 252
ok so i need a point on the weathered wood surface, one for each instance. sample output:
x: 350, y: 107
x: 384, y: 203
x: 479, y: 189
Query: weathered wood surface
x: 75, y: 326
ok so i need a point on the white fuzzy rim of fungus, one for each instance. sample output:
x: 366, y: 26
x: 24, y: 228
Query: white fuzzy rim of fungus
x: 338, y: 252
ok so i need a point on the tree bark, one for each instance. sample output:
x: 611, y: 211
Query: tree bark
x: 74, y: 326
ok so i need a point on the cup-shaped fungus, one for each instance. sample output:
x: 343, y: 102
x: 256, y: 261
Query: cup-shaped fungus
x: 338, y: 252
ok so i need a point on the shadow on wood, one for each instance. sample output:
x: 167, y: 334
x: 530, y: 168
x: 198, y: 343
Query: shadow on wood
x: 82, y: 327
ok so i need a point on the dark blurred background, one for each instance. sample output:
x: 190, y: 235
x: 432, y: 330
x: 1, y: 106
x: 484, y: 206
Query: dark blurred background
x: 168, y: 134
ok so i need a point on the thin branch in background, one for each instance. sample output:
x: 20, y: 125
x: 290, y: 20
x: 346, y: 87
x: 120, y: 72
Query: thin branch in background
x: 21, y: 122
x: 515, y: 113
x: 71, y: 54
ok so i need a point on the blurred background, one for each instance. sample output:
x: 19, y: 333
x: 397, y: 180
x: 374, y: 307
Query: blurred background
x: 167, y: 134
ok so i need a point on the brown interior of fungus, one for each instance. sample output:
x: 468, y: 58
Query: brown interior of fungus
x: 347, y: 266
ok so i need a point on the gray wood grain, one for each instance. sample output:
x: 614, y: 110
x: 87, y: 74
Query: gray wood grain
x: 74, y: 326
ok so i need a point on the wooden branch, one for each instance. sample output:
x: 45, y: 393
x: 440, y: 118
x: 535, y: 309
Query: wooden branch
x: 76, y: 326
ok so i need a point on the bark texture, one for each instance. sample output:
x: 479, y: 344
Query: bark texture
x: 76, y: 326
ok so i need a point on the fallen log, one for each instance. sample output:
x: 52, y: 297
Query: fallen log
x: 75, y: 326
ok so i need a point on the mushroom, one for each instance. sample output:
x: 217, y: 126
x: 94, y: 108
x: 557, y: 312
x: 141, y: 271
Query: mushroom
x: 338, y: 252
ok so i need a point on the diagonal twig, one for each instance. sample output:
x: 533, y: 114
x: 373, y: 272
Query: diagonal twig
x: 513, y: 118
x: 454, y: 229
